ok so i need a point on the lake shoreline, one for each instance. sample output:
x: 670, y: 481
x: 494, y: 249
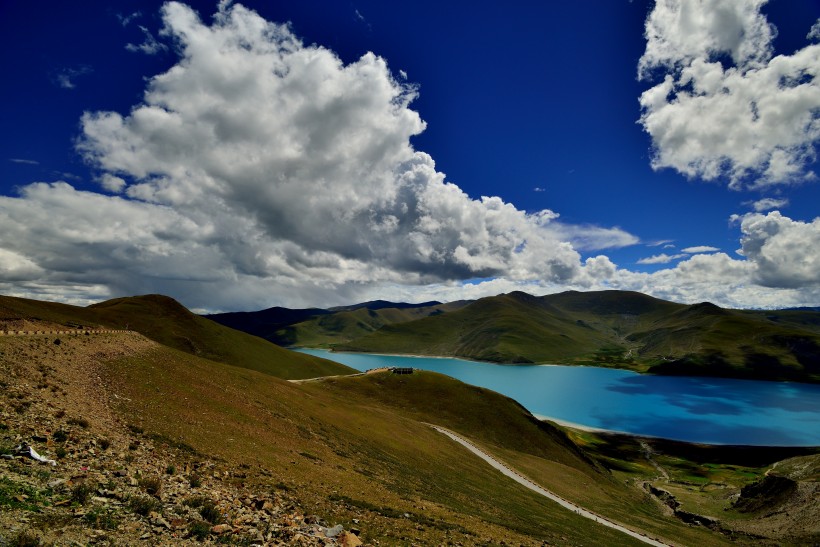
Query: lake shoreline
x: 647, y: 372
x: 706, y: 410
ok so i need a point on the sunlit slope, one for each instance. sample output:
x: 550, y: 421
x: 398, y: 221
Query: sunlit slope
x: 346, y: 325
x: 358, y: 447
x: 316, y: 327
x: 613, y: 328
x: 510, y: 328
x: 164, y: 320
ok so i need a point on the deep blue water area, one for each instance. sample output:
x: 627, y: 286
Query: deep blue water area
x: 704, y: 410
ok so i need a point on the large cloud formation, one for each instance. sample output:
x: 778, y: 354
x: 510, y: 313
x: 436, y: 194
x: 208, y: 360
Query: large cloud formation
x: 726, y: 107
x: 259, y: 170
x: 259, y: 160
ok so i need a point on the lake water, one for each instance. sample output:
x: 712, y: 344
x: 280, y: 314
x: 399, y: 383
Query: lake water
x: 706, y: 410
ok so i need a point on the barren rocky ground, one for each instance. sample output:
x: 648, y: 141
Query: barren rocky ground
x: 110, y: 483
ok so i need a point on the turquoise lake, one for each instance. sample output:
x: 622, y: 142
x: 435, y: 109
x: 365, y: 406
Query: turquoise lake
x: 705, y: 410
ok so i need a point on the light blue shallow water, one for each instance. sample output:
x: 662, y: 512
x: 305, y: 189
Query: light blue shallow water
x: 706, y: 410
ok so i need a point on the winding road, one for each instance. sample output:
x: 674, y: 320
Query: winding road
x: 546, y: 493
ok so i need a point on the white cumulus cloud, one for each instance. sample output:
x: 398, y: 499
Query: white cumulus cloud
x: 260, y: 162
x: 700, y: 249
x: 662, y: 258
x: 782, y: 250
x: 753, y: 120
x: 767, y: 204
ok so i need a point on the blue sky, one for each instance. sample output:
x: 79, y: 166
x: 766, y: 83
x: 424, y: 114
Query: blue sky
x: 136, y: 159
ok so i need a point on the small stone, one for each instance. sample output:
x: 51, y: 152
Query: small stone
x: 120, y: 473
x: 346, y: 539
x: 221, y: 528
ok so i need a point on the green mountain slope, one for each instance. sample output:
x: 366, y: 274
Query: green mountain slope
x: 349, y: 324
x: 164, y: 320
x: 317, y: 327
x: 613, y: 328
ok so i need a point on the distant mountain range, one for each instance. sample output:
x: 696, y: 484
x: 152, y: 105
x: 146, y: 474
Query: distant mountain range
x: 607, y: 328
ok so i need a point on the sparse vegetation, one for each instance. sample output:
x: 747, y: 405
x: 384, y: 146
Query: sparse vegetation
x: 199, y: 530
x: 143, y: 505
x: 81, y: 492
x: 25, y: 538
x: 82, y: 422
x: 101, y: 518
x: 151, y: 485
x: 210, y: 513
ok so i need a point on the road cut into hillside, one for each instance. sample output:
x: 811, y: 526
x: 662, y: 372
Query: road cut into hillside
x: 546, y: 493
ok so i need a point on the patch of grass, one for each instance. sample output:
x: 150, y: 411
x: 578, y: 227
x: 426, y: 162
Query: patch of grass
x: 389, y: 512
x: 173, y: 443
x: 171, y: 470
x: 81, y: 492
x: 25, y: 538
x: 210, y: 513
x: 143, y: 505
x: 199, y: 530
x: 104, y: 443
x: 101, y: 518
x: 152, y: 485
x: 61, y: 452
x: 82, y: 422
x: 195, y: 481
x: 15, y: 495
x: 60, y: 436
x: 195, y: 501
x: 6, y: 447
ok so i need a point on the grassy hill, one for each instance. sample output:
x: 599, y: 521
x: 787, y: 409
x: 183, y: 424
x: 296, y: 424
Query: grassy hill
x: 322, y: 328
x: 342, y: 449
x: 164, y: 320
x: 613, y: 328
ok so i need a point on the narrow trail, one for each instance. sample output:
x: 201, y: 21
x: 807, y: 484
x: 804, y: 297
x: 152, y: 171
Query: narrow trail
x: 546, y: 493
x: 648, y: 453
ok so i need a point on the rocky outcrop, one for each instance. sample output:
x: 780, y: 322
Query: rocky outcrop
x: 765, y: 495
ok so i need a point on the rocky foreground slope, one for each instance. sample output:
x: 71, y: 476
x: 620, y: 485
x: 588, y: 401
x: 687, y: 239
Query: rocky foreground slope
x: 110, y: 483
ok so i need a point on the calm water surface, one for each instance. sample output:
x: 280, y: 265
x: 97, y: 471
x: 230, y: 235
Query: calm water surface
x: 706, y: 410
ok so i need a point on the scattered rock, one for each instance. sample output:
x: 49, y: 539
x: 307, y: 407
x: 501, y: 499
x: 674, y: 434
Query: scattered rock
x: 346, y: 539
